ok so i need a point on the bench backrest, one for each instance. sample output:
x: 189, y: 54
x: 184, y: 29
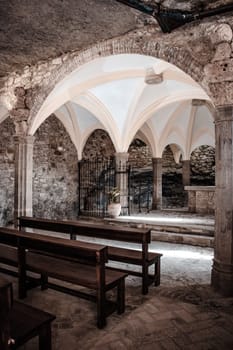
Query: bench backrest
x: 8, y: 237
x: 113, y: 232
x: 81, y: 251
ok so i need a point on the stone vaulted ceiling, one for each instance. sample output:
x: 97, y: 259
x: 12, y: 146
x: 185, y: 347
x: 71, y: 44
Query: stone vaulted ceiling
x: 109, y: 93
x: 31, y: 31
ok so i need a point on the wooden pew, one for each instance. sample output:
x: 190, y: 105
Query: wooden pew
x: 142, y: 258
x: 6, y: 298
x: 27, y: 322
x: 19, y: 322
x: 88, y: 269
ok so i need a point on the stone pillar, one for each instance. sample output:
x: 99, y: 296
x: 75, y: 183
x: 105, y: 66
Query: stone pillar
x: 222, y: 270
x: 157, y: 183
x: 121, y: 160
x: 186, y: 172
x: 23, y: 175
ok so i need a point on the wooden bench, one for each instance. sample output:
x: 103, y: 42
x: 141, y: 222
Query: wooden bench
x: 142, y: 258
x: 27, y: 322
x: 6, y: 298
x: 88, y: 269
x: 20, y: 322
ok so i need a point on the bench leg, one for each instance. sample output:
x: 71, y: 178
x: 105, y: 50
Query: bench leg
x: 121, y: 296
x: 45, y: 338
x: 44, y: 281
x: 145, y: 277
x: 22, y: 291
x: 22, y: 274
x: 22, y: 285
x: 101, y: 312
x: 157, y: 272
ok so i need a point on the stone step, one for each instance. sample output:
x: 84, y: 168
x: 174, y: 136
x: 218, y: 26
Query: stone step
x: 198, y: 234
x: 183, y: 238
x: 206, y: 230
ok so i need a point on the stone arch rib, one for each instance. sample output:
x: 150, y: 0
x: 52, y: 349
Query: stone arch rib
x: 175, y: 55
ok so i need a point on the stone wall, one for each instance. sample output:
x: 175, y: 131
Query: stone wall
x: 173, y: 190
x: 55, y: 172
x: 7, y: 170
x: 203, y: 166
x: 139, y: 154
x: 201, y: 199
x: 202, y: 171
x: 98, y: 146
x: 55, y: 164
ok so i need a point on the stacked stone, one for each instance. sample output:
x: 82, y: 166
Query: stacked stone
x: 55, y: 175
x: 7, y: 169
x: 140, y: 154
x: 203, y: 166
x: 98, y: 146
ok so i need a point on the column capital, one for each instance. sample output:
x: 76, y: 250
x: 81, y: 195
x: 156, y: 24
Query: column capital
x: 122, y: 156
x: 26, y: 139
x: 21, y: 110
x: 223, y: 113
x: 156, y: 160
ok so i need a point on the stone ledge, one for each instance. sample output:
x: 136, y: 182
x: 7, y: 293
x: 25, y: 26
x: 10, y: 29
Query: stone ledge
x: 201, y: 241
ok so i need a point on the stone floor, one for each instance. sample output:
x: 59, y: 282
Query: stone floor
x: 182, y: 313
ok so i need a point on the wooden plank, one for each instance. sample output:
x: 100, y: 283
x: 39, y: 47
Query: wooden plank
x: 27, y: 322
x: 114, y: 232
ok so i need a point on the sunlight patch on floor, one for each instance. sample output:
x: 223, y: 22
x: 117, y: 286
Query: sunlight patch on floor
x: 160, y: 219
x: 186, y: 254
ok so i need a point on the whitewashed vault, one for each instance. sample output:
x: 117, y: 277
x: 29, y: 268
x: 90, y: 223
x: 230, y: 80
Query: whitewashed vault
x: 113, y: 93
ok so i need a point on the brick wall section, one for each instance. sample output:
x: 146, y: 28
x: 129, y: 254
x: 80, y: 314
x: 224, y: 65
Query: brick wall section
x: 55, y: 179
x: 7, y: 169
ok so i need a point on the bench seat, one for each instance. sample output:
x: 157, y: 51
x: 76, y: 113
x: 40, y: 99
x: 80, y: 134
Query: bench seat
x: 69, y: 271
x: 134, y: 257
x: 130, y: 256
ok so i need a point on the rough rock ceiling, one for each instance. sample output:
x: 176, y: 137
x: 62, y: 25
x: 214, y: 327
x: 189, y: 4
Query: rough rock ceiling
x: 36, y: 30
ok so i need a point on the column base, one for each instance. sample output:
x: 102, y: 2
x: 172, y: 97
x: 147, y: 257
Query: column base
x: 222, y: 278
x: 156, y: 206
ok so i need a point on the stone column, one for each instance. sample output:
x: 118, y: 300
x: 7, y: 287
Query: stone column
x: 186, y: 172
x: 157, y: 183
x: 23, y: 175
x: 121, y: 160
x: 23, y: 153
x: 222, y: 270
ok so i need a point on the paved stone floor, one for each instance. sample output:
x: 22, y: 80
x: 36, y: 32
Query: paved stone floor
x: 182, y: 313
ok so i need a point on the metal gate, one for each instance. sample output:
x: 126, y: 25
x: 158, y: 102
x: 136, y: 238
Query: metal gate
x: 96, y: 179
x: 141, y: 190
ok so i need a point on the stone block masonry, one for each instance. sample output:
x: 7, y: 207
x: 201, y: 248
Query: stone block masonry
x: 55, y: 175
x: 7, y: 169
